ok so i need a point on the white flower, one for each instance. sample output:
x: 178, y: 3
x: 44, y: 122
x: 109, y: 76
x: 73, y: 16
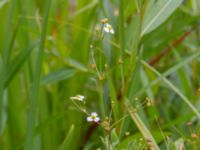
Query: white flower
x: 93, y: 117
x: 78, y: 97
x: 108, y: 28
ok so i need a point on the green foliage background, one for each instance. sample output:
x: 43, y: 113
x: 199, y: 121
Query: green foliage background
x: 143, y: 81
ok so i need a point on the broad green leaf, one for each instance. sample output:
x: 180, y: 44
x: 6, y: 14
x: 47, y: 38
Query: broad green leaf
x: 158, y: 13
x: 57, y: 76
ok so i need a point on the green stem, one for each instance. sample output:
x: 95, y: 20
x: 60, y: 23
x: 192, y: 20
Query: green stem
x: 108, y: 141
x: 102, y: 106
x: 137, y: 6
x: 113, y: 95
x: 122, y: 39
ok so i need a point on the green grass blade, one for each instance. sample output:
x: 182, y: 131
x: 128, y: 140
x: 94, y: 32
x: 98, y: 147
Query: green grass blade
x: 142, y: 127
x: 169, y: 71
x: 122, y: 39
x: 36, y: 83
x: 145, y: 82
x: 87, y: 7
x: 158, y: 13
x: 113, y: 94
x: 17, y: 63
x: 57, y: 76
x: 66, y: 144
x: 5, y: 58
x: 77, y: 65
x: 175, y: 89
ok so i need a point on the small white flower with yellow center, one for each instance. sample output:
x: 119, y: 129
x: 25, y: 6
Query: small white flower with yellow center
x: 93, y: 117
x: 108, y: 28
x: 78, y: 97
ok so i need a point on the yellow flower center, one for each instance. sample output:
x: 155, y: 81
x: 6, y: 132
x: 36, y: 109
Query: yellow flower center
x: 93, y: 117
x: 109, y: 27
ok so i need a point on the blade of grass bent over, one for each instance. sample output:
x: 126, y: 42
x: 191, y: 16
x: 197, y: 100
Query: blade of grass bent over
x: 168, y: 72
x: 36, y: 83
x: 175, y: 89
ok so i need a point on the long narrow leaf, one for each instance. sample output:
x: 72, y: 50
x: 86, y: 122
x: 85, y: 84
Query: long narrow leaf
x: 141, y: 126
x: 175, y: 89
x: 57, y: 76
x: 66, y: 144
x: 6, y: 55
x: 36, y: 83
x: 17, y: 63
x: 158, y: 13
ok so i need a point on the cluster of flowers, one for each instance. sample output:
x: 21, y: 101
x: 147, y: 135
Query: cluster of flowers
x: 107, y: 27
x: 93, y: 117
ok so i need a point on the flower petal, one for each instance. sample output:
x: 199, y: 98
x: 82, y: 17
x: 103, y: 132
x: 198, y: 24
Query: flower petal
x: 112, y: 31
x: 80, y: 97
x: 94, y: 114
x: 96, y: 119
x: 106, y: 29
x: 77, y: 97
x: 89, y: 119
x: 107, y: 25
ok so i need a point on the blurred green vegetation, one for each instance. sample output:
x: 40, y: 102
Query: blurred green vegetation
x: 143, y: 81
